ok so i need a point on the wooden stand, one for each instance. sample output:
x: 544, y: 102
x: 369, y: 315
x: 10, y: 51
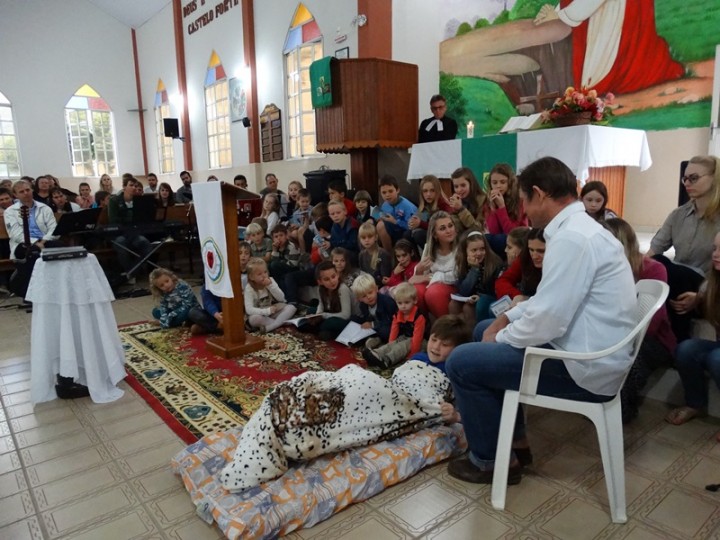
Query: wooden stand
x: 234, y: 341
x: 375, y: 105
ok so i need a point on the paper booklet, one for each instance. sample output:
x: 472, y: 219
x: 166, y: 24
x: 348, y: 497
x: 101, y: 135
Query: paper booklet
x: 353, y: 333
x: 459, y: 298
x: 296, y: 321
x: 522, y: 123
x: 501, y: 305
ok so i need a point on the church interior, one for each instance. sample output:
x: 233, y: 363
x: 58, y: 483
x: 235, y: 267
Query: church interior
x: 86, y: 88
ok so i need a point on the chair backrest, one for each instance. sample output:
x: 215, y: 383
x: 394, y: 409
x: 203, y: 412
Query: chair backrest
x: 651, y: 296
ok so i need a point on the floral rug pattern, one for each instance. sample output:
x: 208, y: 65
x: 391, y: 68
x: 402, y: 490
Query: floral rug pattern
x: 204, y: 393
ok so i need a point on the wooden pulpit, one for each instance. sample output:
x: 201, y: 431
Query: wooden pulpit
x: 234, y: 341
x: 375, y: 105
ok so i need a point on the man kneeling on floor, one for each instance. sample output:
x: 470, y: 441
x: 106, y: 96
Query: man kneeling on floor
x: 585, y: 302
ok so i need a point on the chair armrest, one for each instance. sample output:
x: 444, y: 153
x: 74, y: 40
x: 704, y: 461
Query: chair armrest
x: 535, y: 356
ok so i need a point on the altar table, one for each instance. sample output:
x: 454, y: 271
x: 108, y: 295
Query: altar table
x: 579, y: 147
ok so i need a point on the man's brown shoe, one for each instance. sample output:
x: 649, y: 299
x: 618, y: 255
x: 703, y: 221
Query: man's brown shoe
x: 463, y: 469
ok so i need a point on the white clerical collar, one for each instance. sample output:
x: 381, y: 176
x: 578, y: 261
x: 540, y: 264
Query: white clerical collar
x: 435, y: 122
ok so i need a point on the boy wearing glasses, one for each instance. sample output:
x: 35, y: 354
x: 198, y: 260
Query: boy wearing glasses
x: 438, y: 127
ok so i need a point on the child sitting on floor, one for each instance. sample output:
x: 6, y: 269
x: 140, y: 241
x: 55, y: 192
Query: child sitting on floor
x: 446, y: 333
x: 363, y: 207
x: 373, y: 259
x: 300, y: 216
x: 406, y: 332
x: 260, y: 245
x: 406, y: 257
x: 175, y: 298
x: 342, y: 261
x: 335, y: 305
x: 285, y: 256
x: 270, y: 211
x: 477, y: 268
x: 377, y: 310
x: 209, y: 318
x: 265, y: 305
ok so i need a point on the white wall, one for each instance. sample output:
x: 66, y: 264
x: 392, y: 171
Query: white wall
x: 49, y: 50
x: 416, y: 38
x: 224, y: 35
x: 651, y: 195
x: 156, y: 59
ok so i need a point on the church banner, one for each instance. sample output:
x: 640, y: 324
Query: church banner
x: 207, y: 199
x: 321, y: 83
x: 483, y: 153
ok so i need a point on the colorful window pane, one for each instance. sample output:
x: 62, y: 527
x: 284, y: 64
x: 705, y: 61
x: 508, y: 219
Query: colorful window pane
x: 303, y: 45
x: 217, y: 114
x: 9, y: 155
x: 89, y: 124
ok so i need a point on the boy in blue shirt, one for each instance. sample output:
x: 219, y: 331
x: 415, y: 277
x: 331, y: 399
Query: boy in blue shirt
x: 376, y: 309
x: 395, y: 212
x: 446, y: 333
x: 344, y: 232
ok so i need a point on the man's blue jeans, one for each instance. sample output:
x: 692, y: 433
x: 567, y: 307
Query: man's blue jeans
x: 481, y: 372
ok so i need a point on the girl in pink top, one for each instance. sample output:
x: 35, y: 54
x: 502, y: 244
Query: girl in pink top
x: 506, y: 211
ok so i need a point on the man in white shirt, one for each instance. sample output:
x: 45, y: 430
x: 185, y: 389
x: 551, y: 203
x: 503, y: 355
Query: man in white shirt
x: 585, y: 302
x: 152, y: 186
x: 41, y: 220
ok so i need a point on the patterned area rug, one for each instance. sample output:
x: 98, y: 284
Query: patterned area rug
x: 198, y: 393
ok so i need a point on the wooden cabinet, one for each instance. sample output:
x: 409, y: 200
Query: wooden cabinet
x: 271, y: 138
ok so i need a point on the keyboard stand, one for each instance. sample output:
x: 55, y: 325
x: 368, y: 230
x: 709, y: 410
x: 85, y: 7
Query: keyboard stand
x: 142, y: 259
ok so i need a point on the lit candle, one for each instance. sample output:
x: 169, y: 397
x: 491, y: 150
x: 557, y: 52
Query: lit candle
x: 470, y: 129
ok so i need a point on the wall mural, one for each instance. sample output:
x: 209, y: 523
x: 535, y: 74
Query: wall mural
x: 501, y: 58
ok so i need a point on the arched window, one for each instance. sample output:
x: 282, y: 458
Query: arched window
x: 217, y: 114
x: 89, y: 124
x: 9, y: 157
x: 303, y: 46
x: 166, y: 153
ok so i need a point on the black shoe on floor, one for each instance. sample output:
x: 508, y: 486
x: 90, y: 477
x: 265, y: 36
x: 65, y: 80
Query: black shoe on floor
x: 67, y: 388
x: 371, y: 358
x: 463, y: 469
x: 524, y: 456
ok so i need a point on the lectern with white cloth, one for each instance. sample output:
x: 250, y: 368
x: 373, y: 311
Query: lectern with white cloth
x: 74, y: 332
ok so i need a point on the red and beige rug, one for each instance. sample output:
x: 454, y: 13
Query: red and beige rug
x: 197, y: 393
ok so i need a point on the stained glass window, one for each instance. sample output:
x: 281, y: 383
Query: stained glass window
x: 217, y: 114
x: 303, y: 45
x: 90, y: 131
x: 9, y: 155
x: 166, y: 152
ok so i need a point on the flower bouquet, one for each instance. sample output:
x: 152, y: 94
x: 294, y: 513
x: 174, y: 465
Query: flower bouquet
x: 579, y: 106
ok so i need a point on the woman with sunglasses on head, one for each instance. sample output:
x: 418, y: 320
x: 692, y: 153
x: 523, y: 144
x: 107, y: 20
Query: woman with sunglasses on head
x: 690, y: 229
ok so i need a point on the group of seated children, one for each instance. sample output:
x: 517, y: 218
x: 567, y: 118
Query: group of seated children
x: 368, y: 269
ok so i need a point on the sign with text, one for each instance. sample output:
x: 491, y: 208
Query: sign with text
x: 203, y: 19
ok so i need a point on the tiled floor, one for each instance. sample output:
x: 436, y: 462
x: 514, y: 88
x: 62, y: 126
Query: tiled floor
x: 74, y: 469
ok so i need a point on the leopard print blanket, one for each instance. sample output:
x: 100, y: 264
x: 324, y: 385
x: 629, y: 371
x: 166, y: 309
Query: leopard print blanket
x: 320, y: 412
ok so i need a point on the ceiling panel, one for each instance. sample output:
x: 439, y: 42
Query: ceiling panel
x: 133, y: 13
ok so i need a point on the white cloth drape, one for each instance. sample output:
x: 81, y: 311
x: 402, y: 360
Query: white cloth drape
x: 579, y: 147
x: 582, y: 147
x: 207, y: 198
x: 74, y: 332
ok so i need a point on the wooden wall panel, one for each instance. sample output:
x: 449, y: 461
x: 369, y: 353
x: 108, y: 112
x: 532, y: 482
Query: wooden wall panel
x: 614, y: 180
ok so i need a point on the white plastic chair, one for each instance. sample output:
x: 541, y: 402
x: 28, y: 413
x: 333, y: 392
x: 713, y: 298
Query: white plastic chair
x: 606, y: 416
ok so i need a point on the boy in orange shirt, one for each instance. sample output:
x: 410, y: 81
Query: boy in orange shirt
x: 407, y: 332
